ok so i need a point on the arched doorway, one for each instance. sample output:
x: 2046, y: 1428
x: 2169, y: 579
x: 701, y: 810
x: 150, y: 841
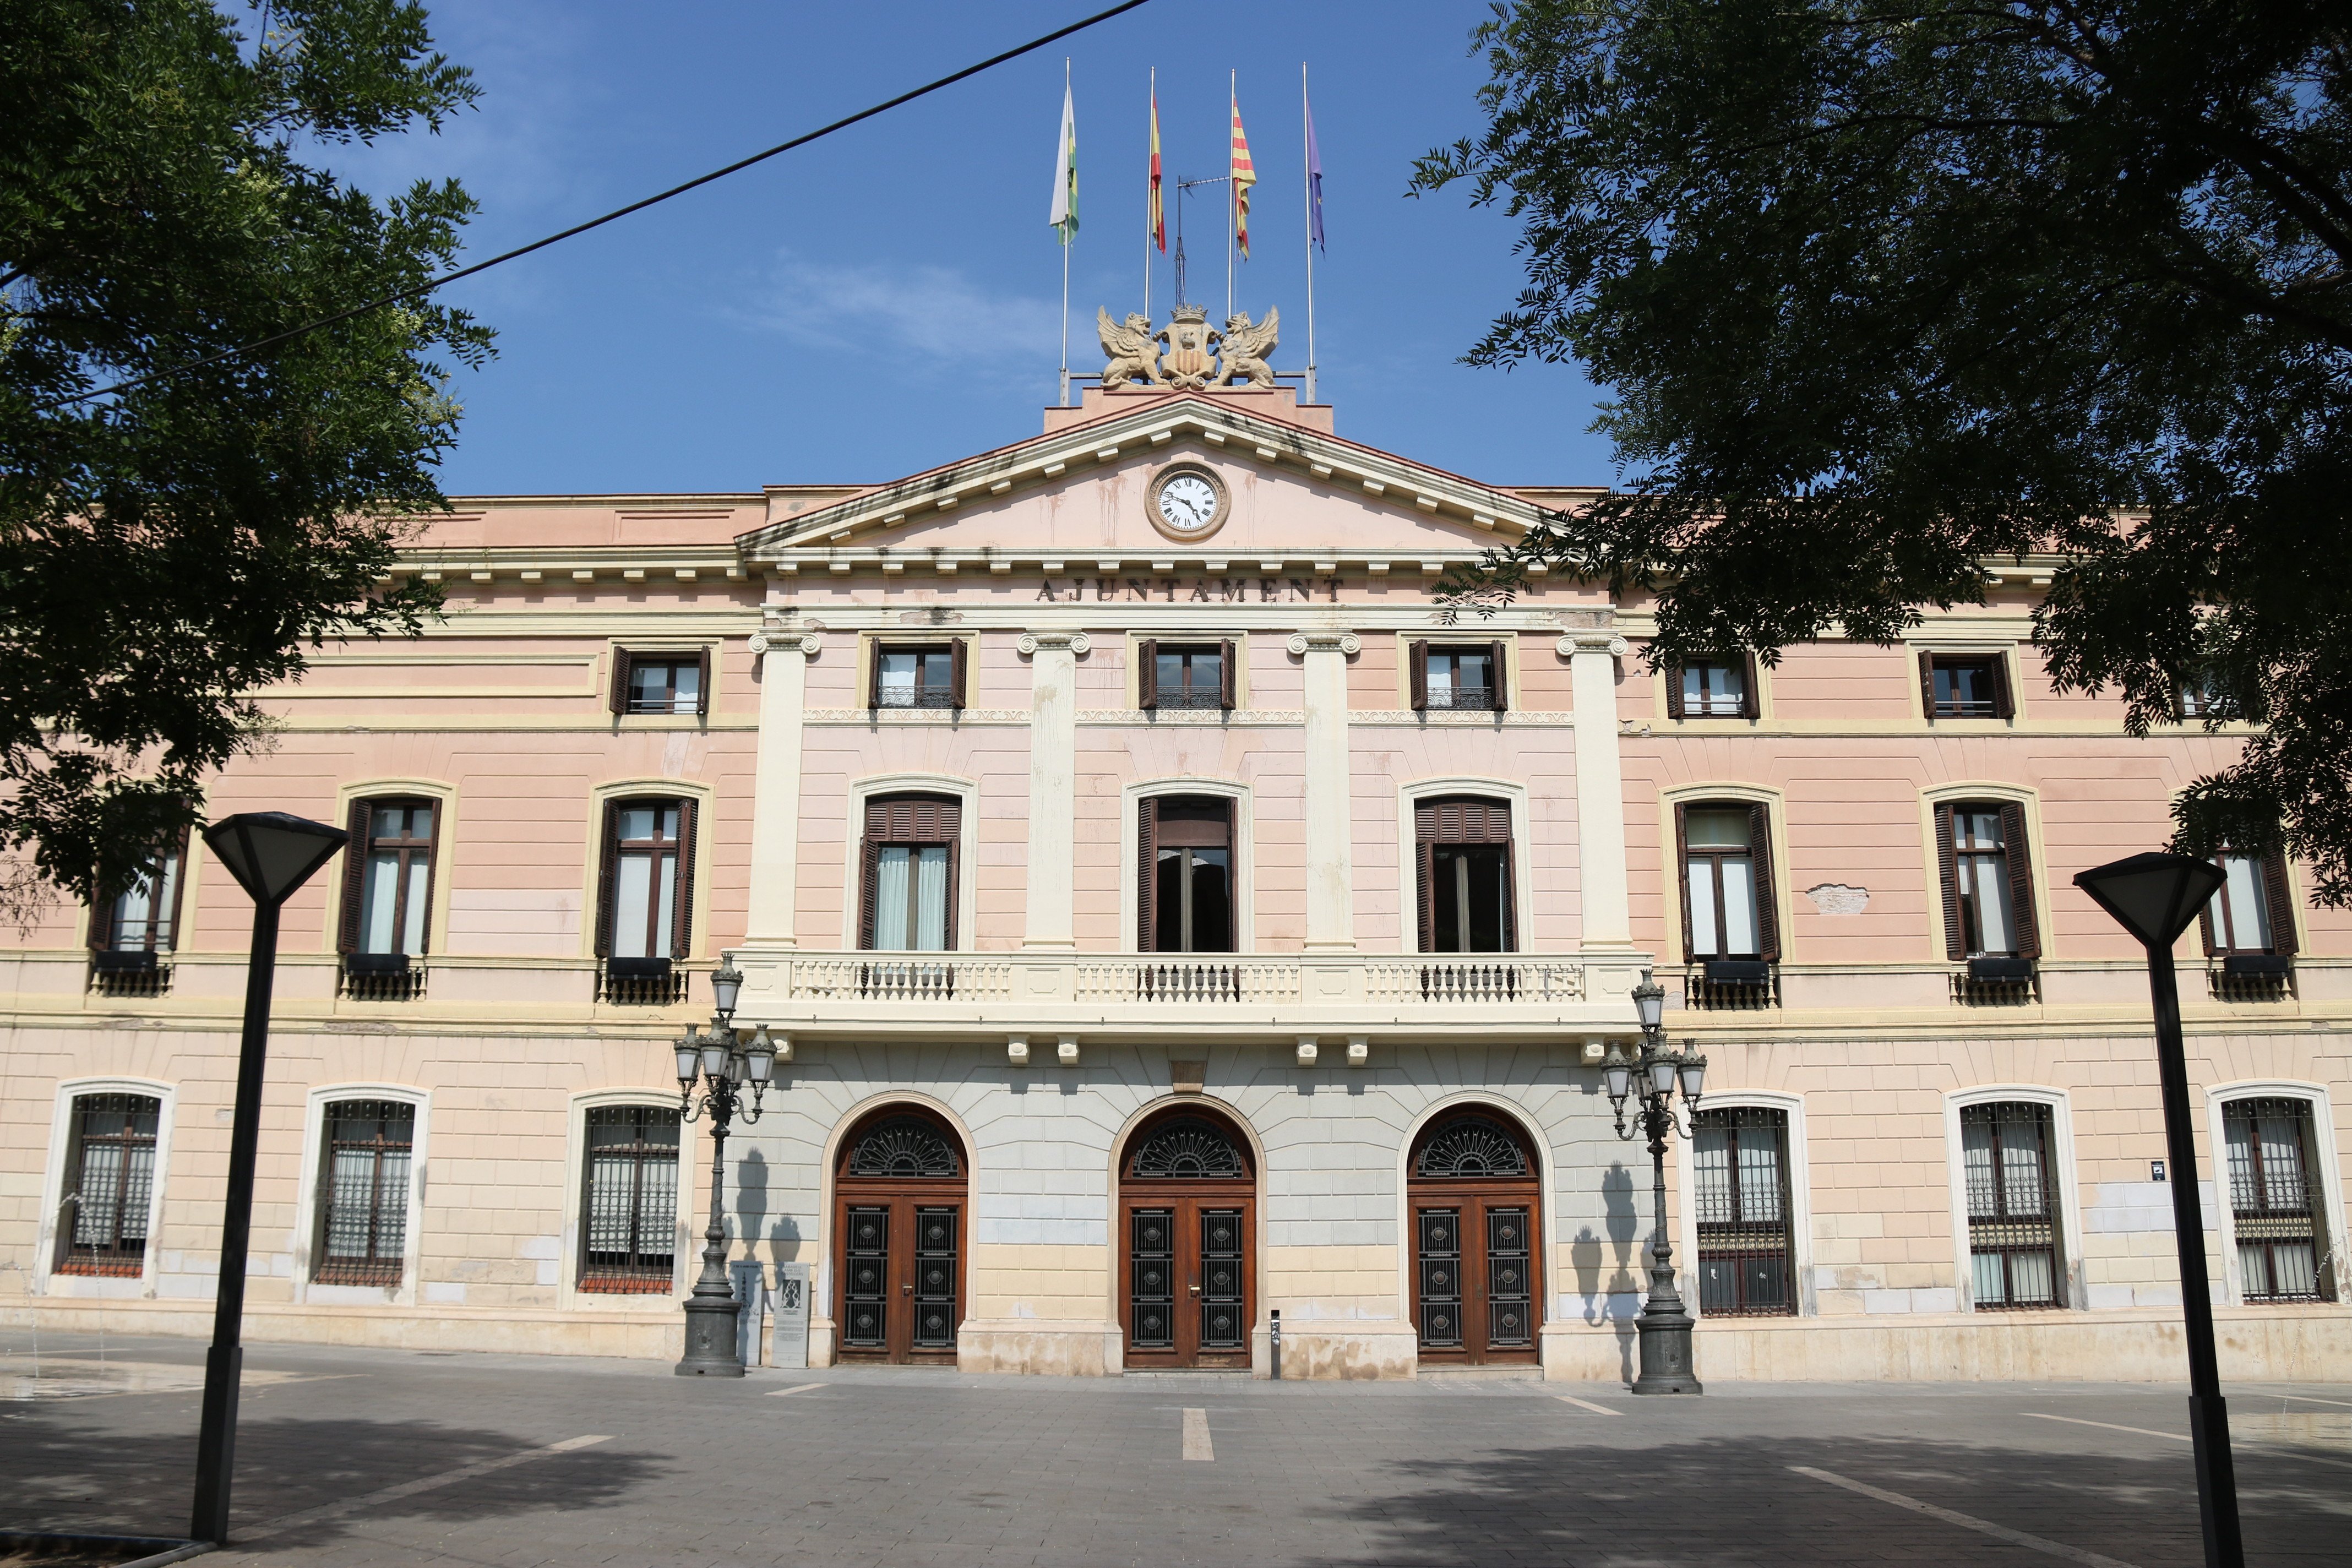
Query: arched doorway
x: 899, y: 1212
x: 1188, y: 1213
x: 1475, y: 1198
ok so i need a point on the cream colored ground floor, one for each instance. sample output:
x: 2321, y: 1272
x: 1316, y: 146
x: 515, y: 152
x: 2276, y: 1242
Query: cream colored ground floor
x: 1858, y: 1158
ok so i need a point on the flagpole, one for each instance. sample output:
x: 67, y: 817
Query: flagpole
x: 1065, y: 267
x: 1305, y: 166
x: 1147, y: 203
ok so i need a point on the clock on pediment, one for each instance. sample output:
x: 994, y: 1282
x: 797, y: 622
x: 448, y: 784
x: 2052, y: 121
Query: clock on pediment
x: 1188, y: 502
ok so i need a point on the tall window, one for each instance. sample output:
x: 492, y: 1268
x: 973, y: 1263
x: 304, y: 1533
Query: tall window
x: 2011, y: 1173
x: 1740, y: 1175
x: 661, y: 682
x: 1727, y: 905
x: 388, y: 877
x: 1716, y: 686
x: 2274, y: 1202
x: 930, y: 676
x: 1185, y: 903
x: 628, y: 1224
x: 363, y: 1192
x: 1457, y: 675
x: 2252, y: 913
x: 909, y: 896
x: 646, y: 907
x: 1965, y: 686
x: 1988, y: 881
x: 1464, y: 845
x: 1184, y: 675
x: 109, y: 1184
x: 145, y: 916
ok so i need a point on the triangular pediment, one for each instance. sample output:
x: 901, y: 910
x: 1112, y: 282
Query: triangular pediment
x: 1288, y: 488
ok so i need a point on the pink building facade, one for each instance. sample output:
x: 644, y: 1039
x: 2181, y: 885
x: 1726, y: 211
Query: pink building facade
x: 1167, y: 919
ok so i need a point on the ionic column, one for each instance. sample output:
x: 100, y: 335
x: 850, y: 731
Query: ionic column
x: 1331, y: 870
x: 776, y: 789
x: 1593, y: 657
x: 1053, y: 787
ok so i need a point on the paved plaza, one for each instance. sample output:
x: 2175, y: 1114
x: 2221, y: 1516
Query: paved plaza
x: 350, y: 1458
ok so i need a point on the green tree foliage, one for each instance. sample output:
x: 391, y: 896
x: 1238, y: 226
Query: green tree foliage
x: 1882, y: 291
x: 166, y: 551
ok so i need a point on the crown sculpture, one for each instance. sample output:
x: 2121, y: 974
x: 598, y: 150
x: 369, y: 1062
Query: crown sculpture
x: 1197, y: 355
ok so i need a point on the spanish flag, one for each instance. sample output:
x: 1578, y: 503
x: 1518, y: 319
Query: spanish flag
x: 1159, y: 223
x: 1245, y: 176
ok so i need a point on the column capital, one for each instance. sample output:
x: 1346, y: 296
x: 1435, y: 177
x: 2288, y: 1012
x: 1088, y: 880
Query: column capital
x: 805, y: 639
x: 1347, y: 644
x: 1077, y: 642
x: 1597, y: 639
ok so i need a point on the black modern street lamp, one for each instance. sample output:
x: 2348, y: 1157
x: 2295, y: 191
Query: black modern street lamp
x: 1664, y: 1323
x: 2154, y: 897
x: 270, y: 854
x: 712, y: 1312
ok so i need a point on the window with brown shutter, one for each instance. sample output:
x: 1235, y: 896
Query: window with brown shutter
x: 1965, y: 686
x: 917, y: 674
x: 1463, y: 850
x: 1185, y: 891
x: 1417, y: 674
x: 646, y: 903
x: 1718, y: 686
x: 1726, y: 851
x: 1988, y: 876
x: 908, y: 892
x: 388, y: 877
x: 2253, y: 912
x: 672, y: 682
x: 1458, y: 675
x: 1190, y: 674
x: 144, y: 918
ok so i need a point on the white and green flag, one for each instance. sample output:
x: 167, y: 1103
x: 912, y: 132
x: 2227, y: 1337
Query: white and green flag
x: 1065, y: 214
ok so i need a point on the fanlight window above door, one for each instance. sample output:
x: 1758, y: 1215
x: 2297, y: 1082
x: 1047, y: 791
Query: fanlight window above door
x: 904, y: 1146
x: 1472, y: 1147
x: 1186, y: 1150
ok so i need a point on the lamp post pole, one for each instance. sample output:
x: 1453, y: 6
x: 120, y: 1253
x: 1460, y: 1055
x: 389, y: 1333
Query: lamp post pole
x: 2155, y: 897
x: 1666, y: 1323
x: 271, y: 855
x: 713, y: 1348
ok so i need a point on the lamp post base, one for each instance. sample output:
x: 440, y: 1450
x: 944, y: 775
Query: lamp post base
x: 711, y: 1342
x: 1665, y: 1353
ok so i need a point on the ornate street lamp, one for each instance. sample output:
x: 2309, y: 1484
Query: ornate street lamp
x: 1664, y: 1323
x: 271, y: 855
x: 2154, y: 897
x: 725, y: 1067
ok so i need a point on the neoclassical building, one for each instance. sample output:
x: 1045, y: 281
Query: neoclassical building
x: 1167, y: 919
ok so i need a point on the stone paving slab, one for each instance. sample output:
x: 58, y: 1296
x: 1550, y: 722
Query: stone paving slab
x: 351, y: 1458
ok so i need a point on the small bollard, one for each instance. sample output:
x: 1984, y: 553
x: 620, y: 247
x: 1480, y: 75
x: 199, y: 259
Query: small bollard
x: 1276, y: 1357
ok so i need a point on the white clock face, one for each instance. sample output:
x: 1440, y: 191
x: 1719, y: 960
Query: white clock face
x: 1187, y: 503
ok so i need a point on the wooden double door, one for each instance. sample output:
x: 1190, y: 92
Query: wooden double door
x: 1477, y: 1280
x: 900, y: 1216
x: 1187, y: 1240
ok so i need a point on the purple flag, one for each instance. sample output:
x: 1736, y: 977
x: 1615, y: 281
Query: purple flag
x: 1314, y: 186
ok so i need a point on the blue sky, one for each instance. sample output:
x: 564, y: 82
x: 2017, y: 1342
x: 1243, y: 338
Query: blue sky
x: 889, y: 299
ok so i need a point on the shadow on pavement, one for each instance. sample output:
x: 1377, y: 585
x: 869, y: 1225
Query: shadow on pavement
x: 61, y: 1477
x: 1726, y: 1502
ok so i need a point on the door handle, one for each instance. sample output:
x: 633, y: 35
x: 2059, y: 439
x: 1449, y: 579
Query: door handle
x: 1196, y: 1287
x: 908, y: 1289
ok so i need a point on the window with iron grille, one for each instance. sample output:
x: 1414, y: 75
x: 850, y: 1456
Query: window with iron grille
x: 661, y: 682
x: 2009, y: 1168
x: 1965, y: 686
x: 2274, y: 1202
x: 1457, y: 676
x: 1184, y: 675
x: 629, y: 1200
x: 929, y: 676
x: 1715, y: 687
x: 109, y: 1184
x: 363, y: 1192
x: 1740, y: 1175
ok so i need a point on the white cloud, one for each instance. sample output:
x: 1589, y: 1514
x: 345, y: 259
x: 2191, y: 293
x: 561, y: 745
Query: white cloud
x: 931, y: 315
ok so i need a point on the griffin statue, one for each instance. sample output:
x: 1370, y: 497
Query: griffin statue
x: 1134, y: 354
x: 1246, y: 348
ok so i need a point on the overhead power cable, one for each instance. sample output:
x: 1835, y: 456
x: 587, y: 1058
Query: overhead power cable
x: 740, y: 165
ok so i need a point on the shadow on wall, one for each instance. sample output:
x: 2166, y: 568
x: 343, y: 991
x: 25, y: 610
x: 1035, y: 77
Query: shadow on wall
x: 750, y: 1209
x: 143, y: 1481
x: 1604, y: 1267
x: 1619, y: 1498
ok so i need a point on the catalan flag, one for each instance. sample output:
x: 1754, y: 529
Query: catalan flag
x: 1245, y: 176
x: 1158, y: 212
